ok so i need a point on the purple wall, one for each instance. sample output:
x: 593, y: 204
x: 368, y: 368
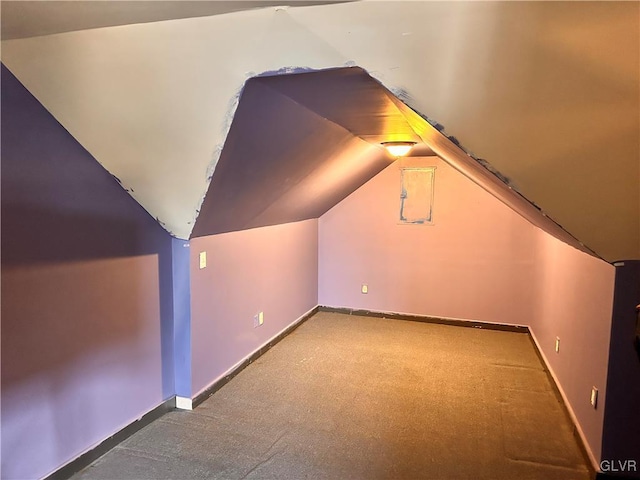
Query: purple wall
x: 87, y: 336
x: 270, y: 269
x: 479, y: 261
x: 574, y: 301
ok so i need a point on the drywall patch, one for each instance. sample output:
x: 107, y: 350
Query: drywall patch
x: 232, y: 106
x: 416, y: 198
x: 496, y: 172
x: 283, y: 71
x: 405, y: 97
x: 291, y: 70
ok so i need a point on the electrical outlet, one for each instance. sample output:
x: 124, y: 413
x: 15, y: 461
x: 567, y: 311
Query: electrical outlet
x: 557, y: 344
x: 594, y: 397
x: 260, y: 318
x: 365, y: 288
x: 203, y: 260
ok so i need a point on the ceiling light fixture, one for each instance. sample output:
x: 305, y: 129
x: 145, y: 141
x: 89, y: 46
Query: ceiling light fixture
x: 398, y: 149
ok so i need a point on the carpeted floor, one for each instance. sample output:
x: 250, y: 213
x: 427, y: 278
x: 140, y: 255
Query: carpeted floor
x: 349, y: 397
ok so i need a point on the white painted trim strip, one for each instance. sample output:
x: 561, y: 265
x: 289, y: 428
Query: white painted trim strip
x: 184, y: 403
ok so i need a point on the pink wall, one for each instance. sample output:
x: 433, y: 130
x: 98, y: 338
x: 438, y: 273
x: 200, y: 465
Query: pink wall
x: 270, y: 269
x: 461, y: 267
x: 479, y: 261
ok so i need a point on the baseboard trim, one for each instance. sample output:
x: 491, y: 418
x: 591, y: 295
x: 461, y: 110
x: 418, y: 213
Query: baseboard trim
x: 87, y: 458
x: 236, y: 369
x: 458, y: 322
x: 184, y: 403
x: 564, y: 401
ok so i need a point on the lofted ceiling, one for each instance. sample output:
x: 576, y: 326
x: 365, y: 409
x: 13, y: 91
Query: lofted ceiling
x: 286, y: 160
x: 548, y: 92
x: 298, y: 145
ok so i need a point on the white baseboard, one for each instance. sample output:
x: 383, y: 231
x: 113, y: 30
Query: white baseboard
x: 184, y: 403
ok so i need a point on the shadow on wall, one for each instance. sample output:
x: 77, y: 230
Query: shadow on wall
x: 86, y: 296
x: 621, y: 437
x: 36, y: 235
x: 69, y: 286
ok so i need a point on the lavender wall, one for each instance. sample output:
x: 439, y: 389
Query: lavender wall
x: 574, y: 302
x: 87, y: 334
x: 479, y: 261
x: 271, y: 269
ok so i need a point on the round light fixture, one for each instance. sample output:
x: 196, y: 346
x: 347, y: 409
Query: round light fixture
x: 398, y: 149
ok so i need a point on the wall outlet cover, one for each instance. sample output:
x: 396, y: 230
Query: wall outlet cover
x: 203, y: 260
x: 594, y: 397
x: 365, y: 288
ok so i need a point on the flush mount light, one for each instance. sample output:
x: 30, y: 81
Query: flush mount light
x: 398, y: 149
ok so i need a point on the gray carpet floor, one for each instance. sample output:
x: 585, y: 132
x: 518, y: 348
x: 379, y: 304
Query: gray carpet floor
x: 349, y: 397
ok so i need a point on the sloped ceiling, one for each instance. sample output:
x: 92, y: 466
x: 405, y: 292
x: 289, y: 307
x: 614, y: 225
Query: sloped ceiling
x: 548, y: 92
x: 298, y: 145
x: 29, y: 18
